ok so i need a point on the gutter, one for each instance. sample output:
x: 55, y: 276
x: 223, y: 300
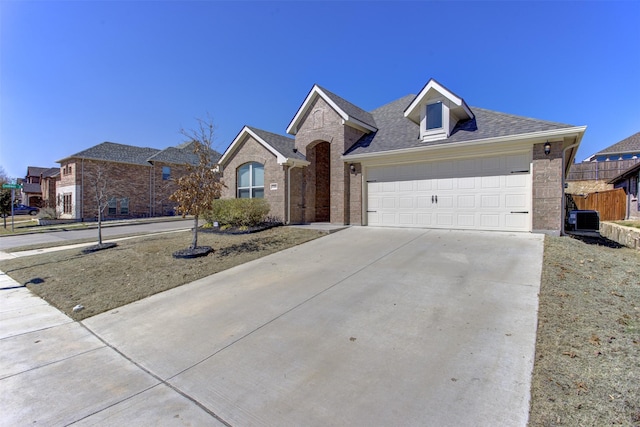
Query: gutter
x: 543, y: 135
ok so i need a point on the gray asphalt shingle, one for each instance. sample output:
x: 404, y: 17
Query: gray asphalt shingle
x: 112, y: 152
x: 351, y: 109
x: 121, y: 153
x: 629, y: 144
x: 284, y: 145
x: 396, y: 132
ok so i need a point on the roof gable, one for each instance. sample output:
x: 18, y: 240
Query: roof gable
x: 434, y: 90
x: 280, y: 146
x: 351, y: 114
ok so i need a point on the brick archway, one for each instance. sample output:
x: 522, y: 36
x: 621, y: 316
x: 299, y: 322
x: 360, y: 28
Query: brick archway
x: 322, y: 169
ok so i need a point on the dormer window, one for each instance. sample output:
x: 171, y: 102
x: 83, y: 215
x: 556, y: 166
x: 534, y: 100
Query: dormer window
x: 434, y: 120
x: 437, y: 110
x: 434, y: 116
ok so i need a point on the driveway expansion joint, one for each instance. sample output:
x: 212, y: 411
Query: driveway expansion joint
x: 154, y: 376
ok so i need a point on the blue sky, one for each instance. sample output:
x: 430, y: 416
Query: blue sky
x: 76, y: 73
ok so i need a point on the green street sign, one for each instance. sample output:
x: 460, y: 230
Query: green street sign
x: 14, y: 186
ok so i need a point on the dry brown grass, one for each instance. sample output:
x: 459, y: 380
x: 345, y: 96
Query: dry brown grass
x: 587, y: 366
x: 139, y: 268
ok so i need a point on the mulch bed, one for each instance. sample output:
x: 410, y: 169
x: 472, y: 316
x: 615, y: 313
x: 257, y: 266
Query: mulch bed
x: 241, y: 230
x: 98, y: 247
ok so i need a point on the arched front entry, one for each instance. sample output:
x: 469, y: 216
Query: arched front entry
x: 320, y: 191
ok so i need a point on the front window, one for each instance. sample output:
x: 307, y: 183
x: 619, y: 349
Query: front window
x: 434, y: 116
x: 124, y: 206
x: 66, y: 203
x: 112, y: 210
x: 251, y: 181
x: 166, y: 173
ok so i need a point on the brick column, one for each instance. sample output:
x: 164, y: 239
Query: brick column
x: 547, y: 189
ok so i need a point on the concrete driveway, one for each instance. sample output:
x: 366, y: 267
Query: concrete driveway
x: 368, y: 326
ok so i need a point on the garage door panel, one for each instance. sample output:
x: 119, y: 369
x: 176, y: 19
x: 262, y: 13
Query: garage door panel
x: 516, y: 181
x: 388, y: 218
x: 424, y: 185
x: 489, y: 201
x: 423, y: 202
x: 406, y: 219
x: 516, y: 221
x: 466, y: 220
x: 467, y: 183
x: 388, y: 202
x: 490, y: 182
x: 388, y: 187
x: 467, y: 201
x: 406, y: 185
x: 515, y: 201
x: 406, y: 202
x: 490, y: 220
x: 481, y: 193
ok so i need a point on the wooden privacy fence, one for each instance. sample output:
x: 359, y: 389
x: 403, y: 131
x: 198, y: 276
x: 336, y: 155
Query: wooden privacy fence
x: 595, y: 171
x: 611, y: 204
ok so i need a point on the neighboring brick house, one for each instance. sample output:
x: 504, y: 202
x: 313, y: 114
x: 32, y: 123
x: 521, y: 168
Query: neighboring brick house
x: 595, y: 173
x: 48, y: 183
x: 426, y: 160
x: 139, y: 180
x: 32, y: 193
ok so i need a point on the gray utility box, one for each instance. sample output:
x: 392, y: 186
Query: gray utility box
x: 584, y: 220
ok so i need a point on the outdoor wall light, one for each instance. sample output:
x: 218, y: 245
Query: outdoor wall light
x: 547, y: 148
x: 352, y: 168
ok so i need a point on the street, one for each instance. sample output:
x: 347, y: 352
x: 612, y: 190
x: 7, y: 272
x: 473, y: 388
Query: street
x: 108, y: 231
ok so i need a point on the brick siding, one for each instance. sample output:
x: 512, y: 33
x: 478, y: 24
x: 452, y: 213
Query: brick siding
x: 322, y: 123
x: 251, y: 150
x: 547, y: 189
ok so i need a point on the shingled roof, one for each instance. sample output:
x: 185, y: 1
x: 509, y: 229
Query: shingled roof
x: 396, y: 132
x: 144, y: 156
x: 112, y: 152
x: 627, y: 145
x: 283, y: 144
x: 351, y: 109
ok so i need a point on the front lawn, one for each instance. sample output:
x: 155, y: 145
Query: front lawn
x: 139, y: 267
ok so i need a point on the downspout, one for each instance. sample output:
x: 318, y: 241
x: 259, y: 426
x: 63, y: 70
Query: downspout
x: 564, y: 175
x: 151, y: 170
x: 288, y: 195
x: 82, y: 192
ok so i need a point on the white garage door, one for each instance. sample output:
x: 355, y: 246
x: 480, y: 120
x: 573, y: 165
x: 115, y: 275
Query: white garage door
x: 492, y: 193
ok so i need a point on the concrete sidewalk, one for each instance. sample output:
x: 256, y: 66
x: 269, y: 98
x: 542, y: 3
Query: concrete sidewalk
x: 367, y: 326
x: 53, y: 371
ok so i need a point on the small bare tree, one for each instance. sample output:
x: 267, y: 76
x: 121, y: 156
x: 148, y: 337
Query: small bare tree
x: 100, y: 188
x: 5, y: 197
x: 201, y: 184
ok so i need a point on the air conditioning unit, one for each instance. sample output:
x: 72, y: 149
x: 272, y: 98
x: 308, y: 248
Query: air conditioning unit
x: 584, y: 220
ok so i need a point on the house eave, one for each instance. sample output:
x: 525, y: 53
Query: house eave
x: 526, y: 138
x: 233, y: 147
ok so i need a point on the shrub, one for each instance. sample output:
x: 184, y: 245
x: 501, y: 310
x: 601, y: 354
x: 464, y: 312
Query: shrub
x: 238, y: 212
x: 48, y: 213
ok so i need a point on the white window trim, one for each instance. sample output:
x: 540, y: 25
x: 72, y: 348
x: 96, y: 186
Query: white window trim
x: 438, y: 133
x: 251, y: 187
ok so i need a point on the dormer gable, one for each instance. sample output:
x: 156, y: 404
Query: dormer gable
x: 437, y: 110
x: 350, y: 114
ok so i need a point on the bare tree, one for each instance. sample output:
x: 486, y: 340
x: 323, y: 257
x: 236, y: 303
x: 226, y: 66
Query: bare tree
x: 201, y: 184
x: 101, y: 189
x: 5, y: 196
